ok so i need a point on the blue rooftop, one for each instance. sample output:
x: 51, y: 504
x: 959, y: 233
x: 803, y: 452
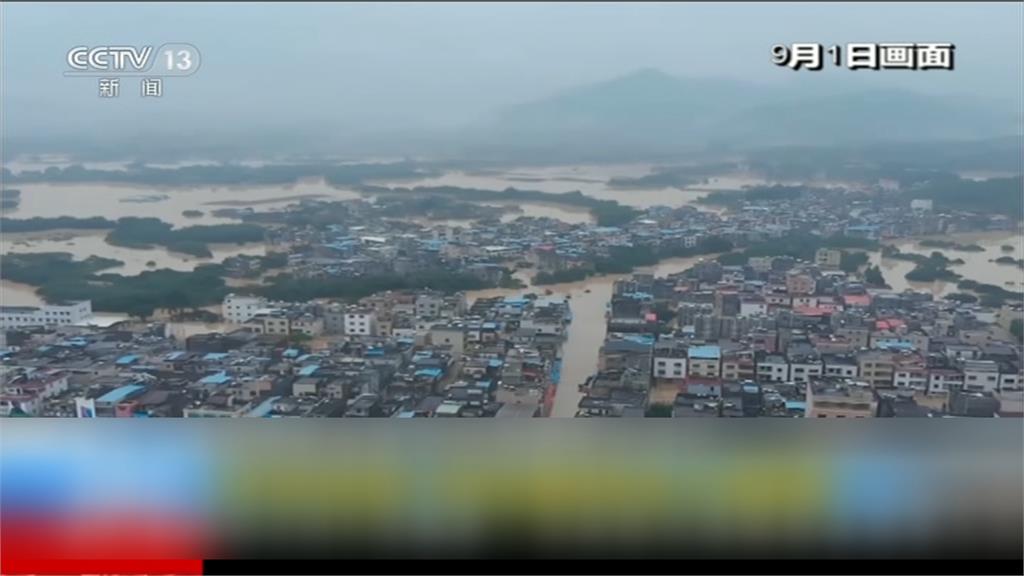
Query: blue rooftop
x: 175, y: 355
x: 309, y: 370
x: 215, y: 356
x: 892, y: 344
x: 705, y: 352
x: 264, y: 408
x: 125, y: 360
x: 118, y: 394
x: 645, y: 339
x: 639, y: 296
x: 430, y: 372
x: 795, y: 405
x: 218, y: 378
x: 291, y: 353
x: 495, y: 362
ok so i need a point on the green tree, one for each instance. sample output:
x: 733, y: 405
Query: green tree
x: 658, y: 411
x: 873, y: 276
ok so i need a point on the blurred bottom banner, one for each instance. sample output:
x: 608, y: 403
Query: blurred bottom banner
x: 123, y: 496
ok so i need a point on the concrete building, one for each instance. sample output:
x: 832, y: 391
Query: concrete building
x: 360, y: 322
x: 62, y: 314
x: 981, y: 375
x: 453, y: 335
x: 800, y: 283
x: 875, y: 367
x: 705, y: 361
x: 237, y: 309
x: 670, y: 359
x: 834, y: 399
x: 773, y: 368
x: 828, y: 258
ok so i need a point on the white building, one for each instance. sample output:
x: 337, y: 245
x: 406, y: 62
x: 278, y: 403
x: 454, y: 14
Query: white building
x: 804, y: 371
x: 941, y: 380
x: 237, y: 309
x: 981, y: 375
x: 921, y: 204
x: 360, y: 323
x: 670, y: 368
x: 773, y: 369
x: 64, y: 314
x: 912, y: 377
x: 840, y: 368
x: 828, y: 258
x: 1010, y: 381
x: 753, y: 308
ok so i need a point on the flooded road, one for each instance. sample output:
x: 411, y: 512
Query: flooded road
x: 587, y: 331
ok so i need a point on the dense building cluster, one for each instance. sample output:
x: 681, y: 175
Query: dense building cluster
x: 401, y: 354
x: 798, y: 339
x: 771, y: 336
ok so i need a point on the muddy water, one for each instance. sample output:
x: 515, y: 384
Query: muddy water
x: 589, y: 302
x: 977, y: 266
x: 115, y: 201
x: 591, y: 180
x: 82, y: 245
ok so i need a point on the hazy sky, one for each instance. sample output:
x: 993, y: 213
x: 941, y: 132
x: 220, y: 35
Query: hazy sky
x: 355, y: 67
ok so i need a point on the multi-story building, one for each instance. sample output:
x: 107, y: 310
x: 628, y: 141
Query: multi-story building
x: 981, y: 375
x: 238, y: 309
x: 738, y: 366
x: 773, y: 368
x: 833, y: 399
x: 910, y: 371
x: 360, y: 322
x: 269, y: 322
x: 670, y: 360
x: 839, y: 366
x: 705, y: 361
x: 828, y: 258
x: 61, y: 314
x: 800, y: 283
x: 875, y: 367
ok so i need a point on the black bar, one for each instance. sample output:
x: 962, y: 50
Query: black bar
x: 637, y: 566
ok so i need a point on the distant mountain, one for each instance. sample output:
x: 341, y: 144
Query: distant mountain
x: 651, y: 112
x: 872, y: 116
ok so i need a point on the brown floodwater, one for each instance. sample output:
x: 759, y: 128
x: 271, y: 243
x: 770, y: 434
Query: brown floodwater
x: 978, y: 266
x: 587, y: 331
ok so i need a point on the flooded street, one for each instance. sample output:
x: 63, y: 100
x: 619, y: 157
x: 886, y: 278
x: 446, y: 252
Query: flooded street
x: 587, y: 331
